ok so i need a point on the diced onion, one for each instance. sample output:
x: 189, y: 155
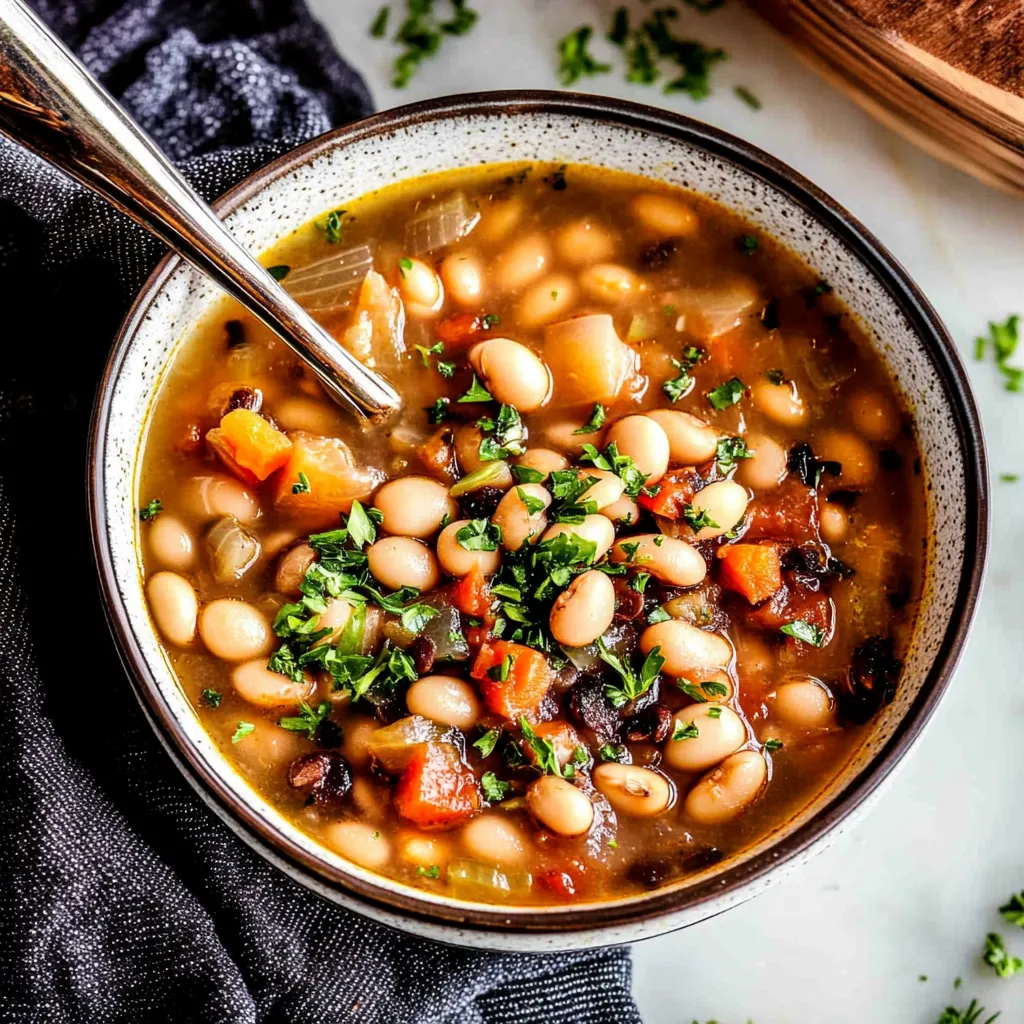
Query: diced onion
x: 233, y: 550
x: 712, y: 310
x: 472, y: 879
x: 330, y: 282
x: 491, y: 474
x: 393, y: 745
x: 440, y: 224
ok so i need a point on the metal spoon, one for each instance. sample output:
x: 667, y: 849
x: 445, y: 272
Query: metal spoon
x: 50, y: 104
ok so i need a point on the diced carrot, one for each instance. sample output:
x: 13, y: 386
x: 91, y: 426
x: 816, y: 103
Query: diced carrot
x: 462, y: 328
x: 471, y: 595
x: 248, y: 445
x: 436, y: 790
x: 528, y: 679
x: 562, y: 737
x: 753, y: 570
x: 676, y: 492
x: 333, y: 481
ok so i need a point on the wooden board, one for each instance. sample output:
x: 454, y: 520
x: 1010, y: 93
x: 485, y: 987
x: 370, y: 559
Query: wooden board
x: 947, y: 74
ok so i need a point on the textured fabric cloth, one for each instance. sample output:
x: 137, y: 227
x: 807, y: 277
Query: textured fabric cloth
x: 121, y: 897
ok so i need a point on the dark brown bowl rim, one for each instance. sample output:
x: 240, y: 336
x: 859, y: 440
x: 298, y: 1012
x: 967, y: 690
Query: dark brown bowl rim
x: 868, y: 250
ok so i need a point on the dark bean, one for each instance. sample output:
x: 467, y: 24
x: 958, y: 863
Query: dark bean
x: 847, y: 499
x: 589, y: 706
x: 871, y: 680
x: 326, y: 773
x: 235, y: 331
x: 651, y: 873
x: 696, y: 860
x: 651, y: 725
x: 629, y: 604
x: 245, y: 398
x: 424, y: 652
x: 657, y: 254
x: 890, y: 459
x: 481, y: 503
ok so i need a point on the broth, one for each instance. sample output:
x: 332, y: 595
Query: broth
x: 752, y: 593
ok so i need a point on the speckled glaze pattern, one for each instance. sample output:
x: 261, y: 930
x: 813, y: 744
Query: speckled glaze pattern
x: 466, y: 131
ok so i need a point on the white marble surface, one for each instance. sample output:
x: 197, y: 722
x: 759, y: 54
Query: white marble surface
x: 914, y: 888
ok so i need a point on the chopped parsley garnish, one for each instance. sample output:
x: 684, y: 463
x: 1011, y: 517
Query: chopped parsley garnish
x: 621, y: 465
x: 447, y: 370
x: 1013, y: 909
x: 726, y: 394
x: 500, y: 672
x: 747, y: 244
x: 438, y: 412
x: 479, y: 535
x: 812, y: 294
x: 243, y: 730
x: 416, y: 616
x: 302, y: 485
x: 639, y: 582
x: 715, y: 689
x: 486, y: 744
x: 279, y: 272
x: 210, y: 698
x: 308, y: 720
x: 731, y: 450
x: 333, y: 226
x: 680, y: 386
x: 596, y: 421
x: 543, y: 750
x: 805, y: 632
x: 526, y: 475
x: 432, y: 872
x: 770, y: 316
x: 715, y: 712
x: 152, y: 510
x: 612, y: 752
x: 504, y: 435
x: 996, y: 955
x: 567, y: 486
x: 698, y: 519
x: 1003, y: 339
x: 425, y: 353
x: 689, y: 731
x: 657, y: 615
x: 772, y: 745
x: 776, y: 377
x: 421, y: 33
x: 634, y: 685
x: 476, y: 393
x: 495, y: 789
x: 743, y: 93
x: 489, y: 320
x: 575, y: 60
x: 533, y: 505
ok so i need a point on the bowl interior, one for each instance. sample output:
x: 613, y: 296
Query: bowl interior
x: 430, y: 138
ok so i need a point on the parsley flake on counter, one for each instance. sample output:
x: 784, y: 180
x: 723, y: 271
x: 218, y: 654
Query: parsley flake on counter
x: 243, y: 730
x: 210, y: 698
x: 279, y: 272
x: 805, y: 632
x: 634, y: 685
x: 726, y: 394
x: 379, y: 25
x: 996, y: 955
x: 575, y: 60
x: 741, y: 92
x: 421, y: 33
x: 302, y: 485
x: 1003, y: 339
x: 152, y: 510
x: 1013, y: 909
x: 596, y: 421
x: 619, y: 31
x: 477, y: 392
x: 969, y: 1015
x: 1009, y: 478
x: 495, y: 789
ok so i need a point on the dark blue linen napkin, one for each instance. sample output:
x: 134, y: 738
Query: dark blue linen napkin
x: 122, y: 898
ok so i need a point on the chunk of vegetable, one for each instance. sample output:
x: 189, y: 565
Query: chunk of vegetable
x: 675, y: 492
x: 471, y: 595
x: 330, y: 282
x: 474, y: 880
x: 440, y: 224
x: 248, y: 445
x: 393, y: 745
x: 587, y: 359
x: 377, y: 333
x: 437, y: 791
x: 528, y: 678
x: 332, y: 479
x: 233, y: 550
x: 712, y: 310
x: 753, y: 570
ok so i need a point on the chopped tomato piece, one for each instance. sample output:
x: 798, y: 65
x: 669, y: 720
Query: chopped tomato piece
x: 529, y: 677
x: 790, y: 603
x: 462, y: 328
x: 249, y: 446
x: 788, y: 513
x: 564, y: 882
x: 753, y: 570
x: 562, y: 737
x: 332, y: 482
x: 436, y: 790
x: 677, y: 491
x: 471, y: 595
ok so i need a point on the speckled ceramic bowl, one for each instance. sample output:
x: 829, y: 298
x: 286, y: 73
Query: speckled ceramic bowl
x: 462, y: 131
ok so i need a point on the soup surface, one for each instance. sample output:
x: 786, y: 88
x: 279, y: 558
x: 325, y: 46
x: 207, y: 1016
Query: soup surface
x: 615, y: 594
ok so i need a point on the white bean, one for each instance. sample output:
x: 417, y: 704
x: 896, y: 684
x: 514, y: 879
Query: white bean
x: 707, y: 734
x: 804, y: 703
x: 781, y: 403
x: 725, y: 503
x: 624, y: 510
x: 355, y: 744
x: 463, y: 279
x: 456, y: 560
x: 833, y: 523
x: 686, y: 649
x: 213, y: 497
x: 424, y: 851
x: 522, y: 262
x: 297, y: 412
x: 511, y: 373
x: 419, y: 286
x: 544, y: 460
x: 495, y: 839
x: 859, y: 462
x: 445, y: 699
x: 609, y: 282
x: 358, y: 842
x: 594, y: 527
x: 727, y: 790
x: 584, y: 241
x: 874, y: 415
x: 291, y: 569
x: 644, y: 441
x: 171, y: 542
x: 403, y: 562
x: 584, y: 610
x: 608, y: 489
x: 235, y: 630
x: 766, y: 467
x: 545, y: 301
x: 174, y: 606
x: 690, y: 440
x: 669, y: 559
x: 255, y: 683
x: 664, y: 215
x: 633, y: 790
x: 560, y: 806
x: 499, y: 218
x: 414, y: 506
x: 517, y: 524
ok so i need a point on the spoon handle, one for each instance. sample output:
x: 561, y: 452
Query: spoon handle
x: 51, y: 105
